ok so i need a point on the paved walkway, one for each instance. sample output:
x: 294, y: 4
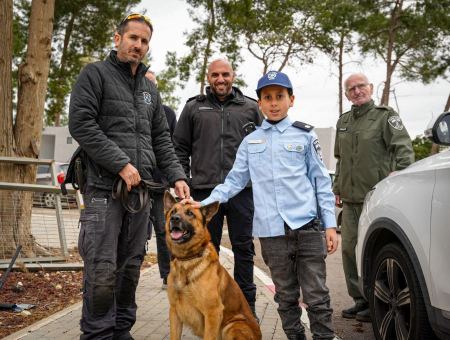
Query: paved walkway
x: 153, y: 310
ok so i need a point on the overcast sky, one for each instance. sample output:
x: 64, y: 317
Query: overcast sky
x: 315, y: 86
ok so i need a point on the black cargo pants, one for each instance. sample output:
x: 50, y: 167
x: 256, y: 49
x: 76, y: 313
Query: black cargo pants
x: 112, y: 245
x: 239, y: 212
x: 297, y: 261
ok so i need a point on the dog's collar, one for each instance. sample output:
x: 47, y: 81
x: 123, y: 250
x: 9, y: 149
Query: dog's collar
x: 188, y: 258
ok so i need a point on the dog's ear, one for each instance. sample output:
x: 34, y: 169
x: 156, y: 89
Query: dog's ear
x: 208, y: 211
x: 169, y: 201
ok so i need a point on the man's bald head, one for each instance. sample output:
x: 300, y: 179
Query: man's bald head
x: 358, y: 89
x: 220, y: 78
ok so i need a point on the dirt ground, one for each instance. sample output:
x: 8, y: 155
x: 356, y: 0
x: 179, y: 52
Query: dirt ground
x: 50, y: 292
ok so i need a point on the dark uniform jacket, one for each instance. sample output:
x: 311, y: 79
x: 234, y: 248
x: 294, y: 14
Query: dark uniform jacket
x: 158, y: 175
x: 371, y: 142
x: 118, y: 119
x: 210, y: 133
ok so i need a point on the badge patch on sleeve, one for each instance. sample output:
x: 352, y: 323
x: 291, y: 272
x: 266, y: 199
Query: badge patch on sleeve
x: 318, y: 149
x: 396, y: 122
x: 147, y: 98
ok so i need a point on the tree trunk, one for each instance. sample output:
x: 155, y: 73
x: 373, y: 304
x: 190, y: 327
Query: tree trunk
x: 390, y: 65
x: 340, y: 70
x: 15, y: 208
x: 211, y: 28
x: 59, y: 103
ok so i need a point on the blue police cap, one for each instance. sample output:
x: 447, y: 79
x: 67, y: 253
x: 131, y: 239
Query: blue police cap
x: 274, y: 78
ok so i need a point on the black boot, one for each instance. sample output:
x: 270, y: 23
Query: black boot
x: 350, y: 313
x: 364, y: 316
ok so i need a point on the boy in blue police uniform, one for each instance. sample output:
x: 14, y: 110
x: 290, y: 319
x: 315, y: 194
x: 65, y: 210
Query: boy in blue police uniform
x: 283, y: 160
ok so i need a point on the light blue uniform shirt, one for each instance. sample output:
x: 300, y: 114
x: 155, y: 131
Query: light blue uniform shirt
x: 282, y: 162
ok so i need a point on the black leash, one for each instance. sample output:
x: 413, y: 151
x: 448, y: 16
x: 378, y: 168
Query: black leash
x: 144, y: 188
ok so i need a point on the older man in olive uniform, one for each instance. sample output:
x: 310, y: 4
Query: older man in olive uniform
x: 371, y: 142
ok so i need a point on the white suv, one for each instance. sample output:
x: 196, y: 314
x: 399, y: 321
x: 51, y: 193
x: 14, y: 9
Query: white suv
x: 403, y: 251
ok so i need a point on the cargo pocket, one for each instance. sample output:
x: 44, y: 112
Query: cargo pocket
x: 86, y: 239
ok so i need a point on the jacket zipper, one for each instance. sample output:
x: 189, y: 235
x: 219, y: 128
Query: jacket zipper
x: 221, y: 144
x: 136, y: 118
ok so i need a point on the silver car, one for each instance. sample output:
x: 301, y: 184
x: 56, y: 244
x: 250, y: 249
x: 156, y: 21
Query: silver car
x: 403, y: 247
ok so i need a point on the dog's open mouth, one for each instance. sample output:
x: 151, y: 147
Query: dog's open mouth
x: 179, y: 235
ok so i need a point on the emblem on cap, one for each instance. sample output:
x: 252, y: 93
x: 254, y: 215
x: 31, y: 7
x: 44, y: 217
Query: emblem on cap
x: 272, y: 75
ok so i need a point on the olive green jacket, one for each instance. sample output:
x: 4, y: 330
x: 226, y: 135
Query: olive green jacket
x: 371, y: 142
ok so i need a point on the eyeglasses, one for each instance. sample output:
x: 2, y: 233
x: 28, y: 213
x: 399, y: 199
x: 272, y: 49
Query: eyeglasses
x: 360, y: 87
x: 137, y: 16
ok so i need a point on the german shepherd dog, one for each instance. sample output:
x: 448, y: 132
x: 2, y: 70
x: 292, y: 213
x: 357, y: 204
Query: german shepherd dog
x: 201, y: 292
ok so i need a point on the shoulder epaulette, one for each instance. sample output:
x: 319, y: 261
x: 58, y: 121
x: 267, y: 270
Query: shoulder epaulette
x: 303, y: 126
x: 199, y: 98
x: 383, y: 107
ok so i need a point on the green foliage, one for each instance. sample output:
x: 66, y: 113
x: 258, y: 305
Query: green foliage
x: 82, y: 33
x: 278, y: 32
x: 418, y: 31
x: 210, y: 36
x: 422, y: 147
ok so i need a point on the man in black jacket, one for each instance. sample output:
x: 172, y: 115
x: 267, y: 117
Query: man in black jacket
x: 116, y: 116
x: 157, y: 211
x: 209, y: 132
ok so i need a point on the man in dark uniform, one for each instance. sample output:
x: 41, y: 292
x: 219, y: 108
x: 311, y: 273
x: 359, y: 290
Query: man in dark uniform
x: 206, y: 140
x: 157, y: 211
x: 116, y: 116
x: 371, y: 142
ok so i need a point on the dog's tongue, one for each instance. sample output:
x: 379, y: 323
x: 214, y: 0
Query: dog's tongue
x: 176, y: 235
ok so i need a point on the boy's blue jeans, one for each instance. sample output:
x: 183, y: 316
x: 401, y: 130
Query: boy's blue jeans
x: 297, y: 260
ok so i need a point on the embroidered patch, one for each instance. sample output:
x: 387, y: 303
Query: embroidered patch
x: 396, y: 122
x: 205, y: 108
x: 271, y: 75
x: 342, y: 129
x: 318, y: 149
x: 147, y: 98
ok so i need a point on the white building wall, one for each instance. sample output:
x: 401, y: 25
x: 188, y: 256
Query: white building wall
x: 63, y: 147
x: 326, y: 140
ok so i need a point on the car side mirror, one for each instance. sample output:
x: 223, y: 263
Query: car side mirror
x: 440, y: 132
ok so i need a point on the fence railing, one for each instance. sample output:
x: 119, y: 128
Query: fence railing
x: 54, y: 217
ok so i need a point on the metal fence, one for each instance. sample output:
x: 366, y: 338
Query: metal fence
x: 54, y: 217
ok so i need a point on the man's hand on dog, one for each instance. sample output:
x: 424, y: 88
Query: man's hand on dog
x: 182, y: 189
x: 332, y: 240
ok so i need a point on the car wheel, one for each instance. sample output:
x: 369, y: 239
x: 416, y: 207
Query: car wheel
x: 395, y: 298
x: 49, y: 200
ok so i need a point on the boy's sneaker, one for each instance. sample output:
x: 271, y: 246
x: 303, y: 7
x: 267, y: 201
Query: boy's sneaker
x: 164, y: 284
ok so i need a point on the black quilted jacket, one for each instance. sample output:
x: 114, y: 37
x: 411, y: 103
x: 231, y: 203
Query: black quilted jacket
x: 118, y: 119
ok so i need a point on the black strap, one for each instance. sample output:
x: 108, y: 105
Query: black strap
x: 120, y: 191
